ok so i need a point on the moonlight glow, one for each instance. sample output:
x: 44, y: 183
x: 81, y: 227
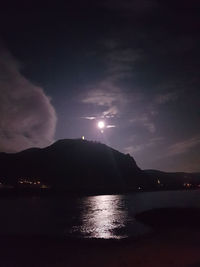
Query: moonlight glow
x: 101, y: 125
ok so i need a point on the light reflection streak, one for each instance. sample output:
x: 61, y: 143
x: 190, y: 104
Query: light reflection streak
x: 103, y: 216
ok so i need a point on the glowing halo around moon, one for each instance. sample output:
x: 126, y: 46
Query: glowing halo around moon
x: 101, y: 125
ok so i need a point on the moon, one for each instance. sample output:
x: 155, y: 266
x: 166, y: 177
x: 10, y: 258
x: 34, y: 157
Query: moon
x: 101, y: 125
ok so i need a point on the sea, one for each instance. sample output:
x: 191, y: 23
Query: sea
x: 102, y: 216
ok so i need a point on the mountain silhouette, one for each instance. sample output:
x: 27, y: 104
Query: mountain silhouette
x: 76, y: 166
x: 175, y: 180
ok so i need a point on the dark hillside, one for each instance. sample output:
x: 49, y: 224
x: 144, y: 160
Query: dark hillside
x: 75, y: 166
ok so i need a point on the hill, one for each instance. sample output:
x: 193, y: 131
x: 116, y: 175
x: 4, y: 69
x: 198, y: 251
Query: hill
x: 76, y: 166
x: 175, y: 180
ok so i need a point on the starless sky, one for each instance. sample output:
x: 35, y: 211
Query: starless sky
x: 133, y: 64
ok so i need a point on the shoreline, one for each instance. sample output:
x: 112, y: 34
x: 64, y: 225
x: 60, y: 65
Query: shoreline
x: 11, y: 192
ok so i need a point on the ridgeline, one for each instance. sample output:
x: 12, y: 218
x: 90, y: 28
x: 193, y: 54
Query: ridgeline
x: 75, y: 166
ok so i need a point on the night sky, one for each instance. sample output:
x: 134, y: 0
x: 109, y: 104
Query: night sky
x: 132, y: 64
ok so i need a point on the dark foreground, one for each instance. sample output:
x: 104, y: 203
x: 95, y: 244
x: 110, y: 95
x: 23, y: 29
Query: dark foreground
x: 171, y: 245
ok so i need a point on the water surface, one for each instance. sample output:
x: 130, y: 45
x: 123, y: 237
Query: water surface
x: 106, y: 216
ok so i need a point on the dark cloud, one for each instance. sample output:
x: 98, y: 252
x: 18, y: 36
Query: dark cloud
x: 27, y: 117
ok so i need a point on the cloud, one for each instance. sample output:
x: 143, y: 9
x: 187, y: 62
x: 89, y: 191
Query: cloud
x: 106, y: 95
x: 134, y: 148
x: 120, y: 61
x: 183, y: 146
x: 150, y: 126
x: 89, y: 118
x: 110, y: 126
x: 167, y: 97
x: 111, y: 112
x: 145, y: 121
x: 27, y: 116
